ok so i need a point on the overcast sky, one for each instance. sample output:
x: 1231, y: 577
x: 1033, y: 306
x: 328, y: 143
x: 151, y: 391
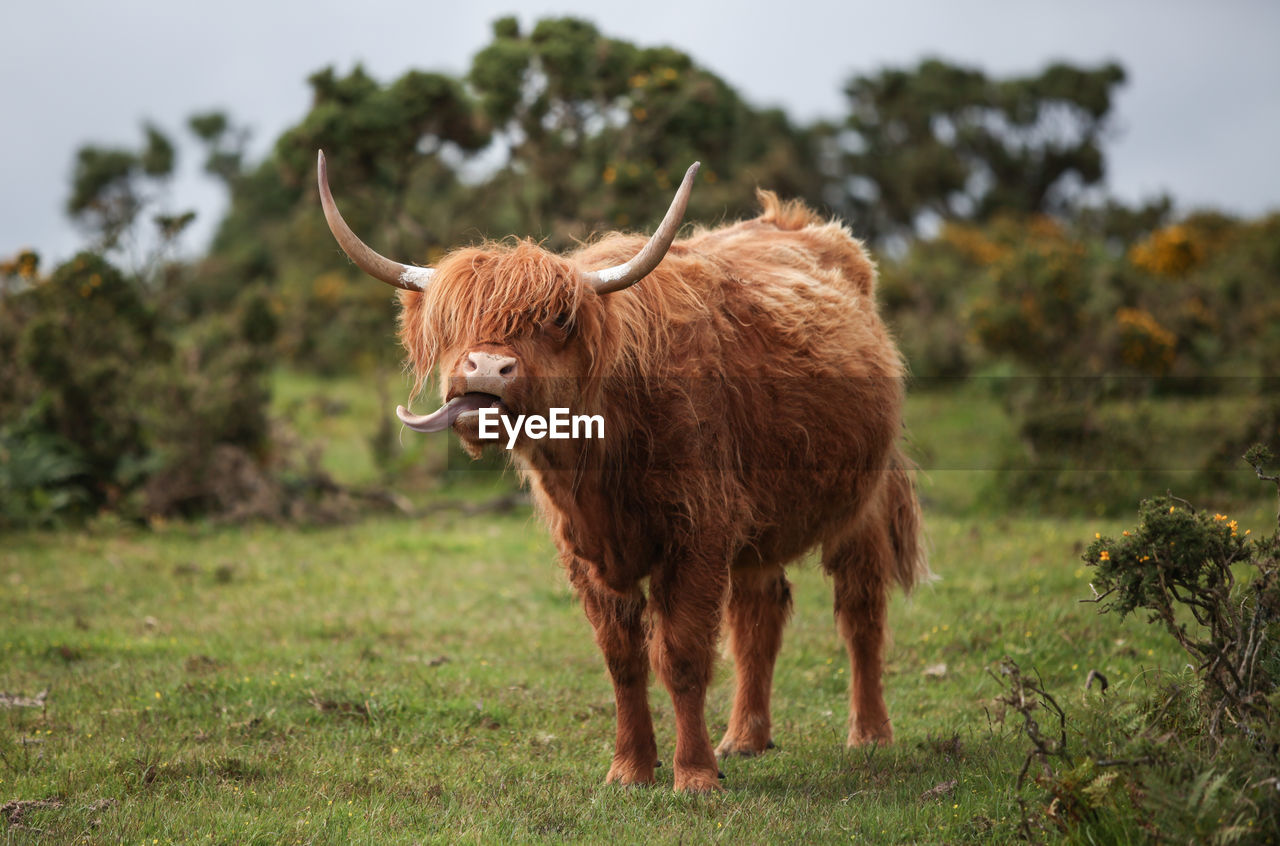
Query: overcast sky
x: 1199, y: 116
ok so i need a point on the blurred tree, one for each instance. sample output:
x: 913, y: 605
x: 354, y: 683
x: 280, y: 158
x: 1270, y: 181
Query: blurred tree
x: 561, y: 132
x: 393, y: 151
x: 599, y: 132
x: 380, y: 141
x: 1121, y: 224
x: 112, y: 187
x: 225, y: 145
x: 949, y: 142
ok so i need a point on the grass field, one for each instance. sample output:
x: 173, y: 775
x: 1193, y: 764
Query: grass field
x: 395, y: 680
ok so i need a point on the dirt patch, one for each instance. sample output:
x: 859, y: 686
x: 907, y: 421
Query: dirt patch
x: 946, y: 747
x: 202, y: 664
x: 15, y: 812
x: 17, y: 700
x: 148, y: 772
x: 341, y: 708
x: 938, y: 791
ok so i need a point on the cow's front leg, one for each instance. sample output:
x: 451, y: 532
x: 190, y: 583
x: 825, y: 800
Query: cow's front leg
x: 619, y: 626
x: 687, y: 605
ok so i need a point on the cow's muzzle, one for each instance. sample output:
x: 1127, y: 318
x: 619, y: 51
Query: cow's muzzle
x: 482, y: 381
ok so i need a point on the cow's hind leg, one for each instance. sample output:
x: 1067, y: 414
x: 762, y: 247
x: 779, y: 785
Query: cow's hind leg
x: 759, y: 604
x: 686, y: 601
x: 859, y: 565
x: 619, y: 626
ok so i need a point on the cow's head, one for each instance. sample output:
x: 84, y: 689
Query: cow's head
x: 508, y: 325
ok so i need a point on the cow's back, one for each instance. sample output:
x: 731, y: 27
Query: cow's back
x: 774, y: 386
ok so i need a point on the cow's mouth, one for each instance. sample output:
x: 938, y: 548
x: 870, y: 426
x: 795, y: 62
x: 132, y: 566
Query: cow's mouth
x: 447, y: 414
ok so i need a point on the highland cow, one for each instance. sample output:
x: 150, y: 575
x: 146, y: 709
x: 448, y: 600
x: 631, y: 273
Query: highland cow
x: 752, y: 401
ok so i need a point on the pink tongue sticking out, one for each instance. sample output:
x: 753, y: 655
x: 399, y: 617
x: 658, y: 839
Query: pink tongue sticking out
x: 443, y: 417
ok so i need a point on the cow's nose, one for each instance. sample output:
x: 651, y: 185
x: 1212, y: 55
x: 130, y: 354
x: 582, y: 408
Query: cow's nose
x: 483, y: 366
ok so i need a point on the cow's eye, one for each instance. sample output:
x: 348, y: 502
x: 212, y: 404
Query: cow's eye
x: 562, y: 320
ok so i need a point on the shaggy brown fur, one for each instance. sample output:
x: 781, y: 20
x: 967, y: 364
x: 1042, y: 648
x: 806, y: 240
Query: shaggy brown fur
x: 752, y: 404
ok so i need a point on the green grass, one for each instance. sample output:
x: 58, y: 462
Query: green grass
x: 401, y: 680
x: 340, y: 418
x: 394, y: 681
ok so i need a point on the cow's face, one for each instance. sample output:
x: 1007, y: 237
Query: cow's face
x: 507, y: 326
x: 511, y: 327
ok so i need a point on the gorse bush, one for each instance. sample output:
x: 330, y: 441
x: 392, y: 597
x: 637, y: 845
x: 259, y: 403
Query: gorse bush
x: 1193, y: 760
x: 208, y: 433
x: 37, y: 473
x: 1180, y: 565
x: 1078, y: 332
x: 1188, y: 306
x: 101, y: 398
x: 76, y: 343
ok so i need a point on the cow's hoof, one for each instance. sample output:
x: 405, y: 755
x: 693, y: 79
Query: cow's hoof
x: 881, y: 735
x: 699, y: 781
x: 629, y: 773
x: 730, y: 748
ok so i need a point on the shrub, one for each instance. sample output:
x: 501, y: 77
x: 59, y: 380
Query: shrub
x: 36, y: 473
x: 1180, y: 565
x: 1083, y: 332
x: 1193, y: 760
x: 207, y: 428
x: 105, y: 405
x: 76, y: 342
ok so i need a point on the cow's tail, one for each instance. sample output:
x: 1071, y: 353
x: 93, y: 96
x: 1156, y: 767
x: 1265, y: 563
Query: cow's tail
x: 910, y: 564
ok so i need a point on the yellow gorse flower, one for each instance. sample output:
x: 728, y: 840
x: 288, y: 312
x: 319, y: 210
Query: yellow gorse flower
x: 973, y: 244
x: 1145, y: 343
x: 1171, y: 251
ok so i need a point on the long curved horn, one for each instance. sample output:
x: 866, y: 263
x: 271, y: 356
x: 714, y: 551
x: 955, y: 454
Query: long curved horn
x: 404, y: 276
x: 629, y: 273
